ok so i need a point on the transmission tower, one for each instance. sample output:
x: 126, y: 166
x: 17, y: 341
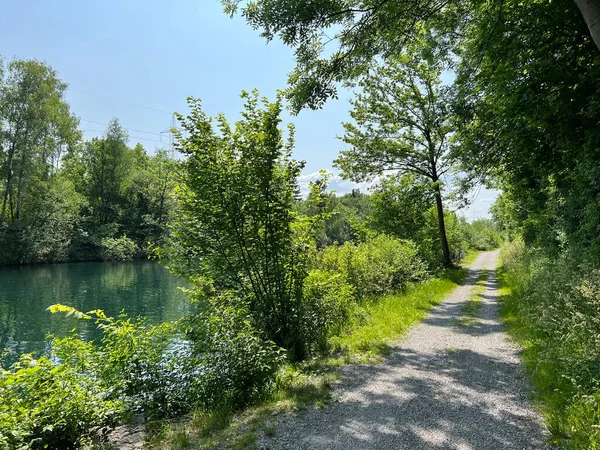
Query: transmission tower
x: 170, y: 132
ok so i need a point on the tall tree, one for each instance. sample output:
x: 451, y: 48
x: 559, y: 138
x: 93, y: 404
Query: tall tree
x: 401, y: 124
x: 163, y: 172
x: 108, y: 163
x: 363, y: 31
x: 36, y: 125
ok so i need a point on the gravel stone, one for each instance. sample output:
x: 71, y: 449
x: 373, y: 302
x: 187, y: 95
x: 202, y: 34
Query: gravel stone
x: 443, y: 386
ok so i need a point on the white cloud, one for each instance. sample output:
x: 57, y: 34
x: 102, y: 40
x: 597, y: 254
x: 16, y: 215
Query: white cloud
x: 336, y: 183
x: 479, y: 208
x: 482, y: 198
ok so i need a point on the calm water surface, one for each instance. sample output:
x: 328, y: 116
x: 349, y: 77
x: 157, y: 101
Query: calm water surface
x: 140, y: 288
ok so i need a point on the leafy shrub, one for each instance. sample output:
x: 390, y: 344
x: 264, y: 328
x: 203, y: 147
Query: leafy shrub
x: 168, y: 388
x: 134, y: 361
x: 375, y: 267
x: 118, y: 249
x: 236, y: 227
x: 138, y: 368
x: 237, y: 360
x: 483, y: 235
x: 46, y: 405
x: 328, y: 300
x: 554, y: 308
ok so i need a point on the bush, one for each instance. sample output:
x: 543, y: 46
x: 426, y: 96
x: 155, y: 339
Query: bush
x: 118, y: 249
x: 58, y: 402
x: 375, y: 267
x: 483, y: 235
x: 134, y: 361
x: 236, y: 228
x: 237, y: 360
x: 328, y: 300
x: 51, y: 406
x: 554, y: 308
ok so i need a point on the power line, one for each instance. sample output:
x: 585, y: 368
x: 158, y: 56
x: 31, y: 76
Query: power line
x: 128, y: 129
x: 131, y: 137
x: 122, y: 101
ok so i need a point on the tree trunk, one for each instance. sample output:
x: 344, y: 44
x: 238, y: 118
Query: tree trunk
x: 590, y: 10
x: 442, y: 225
x: 11, y: 154
x: 20, y: 188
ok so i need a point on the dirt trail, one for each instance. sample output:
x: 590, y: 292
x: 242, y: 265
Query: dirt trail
x: 443, y: 386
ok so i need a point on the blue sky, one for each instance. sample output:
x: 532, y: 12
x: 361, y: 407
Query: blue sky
x: 155, y: 54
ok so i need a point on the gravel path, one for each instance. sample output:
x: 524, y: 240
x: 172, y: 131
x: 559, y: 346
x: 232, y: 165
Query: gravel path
x: 443, y: 386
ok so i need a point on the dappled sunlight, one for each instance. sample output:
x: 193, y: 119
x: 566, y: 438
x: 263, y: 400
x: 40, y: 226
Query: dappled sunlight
x: 442, y: 387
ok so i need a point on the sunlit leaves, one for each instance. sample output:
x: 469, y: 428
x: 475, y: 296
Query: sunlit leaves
x: 96, y: 314
x: 236, y: 223
x: 334, y: 40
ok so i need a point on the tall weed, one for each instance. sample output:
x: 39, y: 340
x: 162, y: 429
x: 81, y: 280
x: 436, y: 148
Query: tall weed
x: 376, y: 267
x: 553, y: 309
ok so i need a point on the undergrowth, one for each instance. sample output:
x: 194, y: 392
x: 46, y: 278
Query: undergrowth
x: 379, y: 322
x: 550, y: 307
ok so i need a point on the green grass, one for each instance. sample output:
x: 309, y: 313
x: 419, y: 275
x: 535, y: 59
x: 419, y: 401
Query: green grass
x: 471, y: 308
x: 387, y: 318
x: 572, y: 417
x: 469, y: 258
x: 378, y: 323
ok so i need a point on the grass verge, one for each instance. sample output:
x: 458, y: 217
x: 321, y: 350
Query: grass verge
x: 387, y: 318
x: 469, y: 258
x: 376, y: 325
x: 570, y: 408
x: 471, y: 308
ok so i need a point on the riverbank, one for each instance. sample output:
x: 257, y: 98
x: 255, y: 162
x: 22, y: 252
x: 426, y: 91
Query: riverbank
x: 309, y: 384
x: 95, y: 259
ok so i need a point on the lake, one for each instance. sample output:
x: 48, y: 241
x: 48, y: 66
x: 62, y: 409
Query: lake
x: 141, y: 288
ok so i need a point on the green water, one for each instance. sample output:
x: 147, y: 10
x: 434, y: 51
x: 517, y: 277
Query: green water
x: 140, y: 288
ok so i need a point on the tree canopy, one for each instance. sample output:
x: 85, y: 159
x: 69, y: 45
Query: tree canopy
x: 362, y: 31
x: 401, y: 123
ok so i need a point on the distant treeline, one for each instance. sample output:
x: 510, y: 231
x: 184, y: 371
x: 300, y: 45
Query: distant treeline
x: 63, y: 198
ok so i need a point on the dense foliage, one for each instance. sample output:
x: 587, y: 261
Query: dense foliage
x: 530, y: 119
x: 51, y: 406
x: 552, y: 309
x: 524, y: 118
x: 363, y: 31
x: 378, y: 266
x: 63, y: 199
x: 60, y: 401
x: 342, y: 215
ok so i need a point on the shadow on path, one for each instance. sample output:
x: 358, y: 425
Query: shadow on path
x: 444, y: 386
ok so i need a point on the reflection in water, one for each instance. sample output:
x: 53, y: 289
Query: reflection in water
x: 138, y: 288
